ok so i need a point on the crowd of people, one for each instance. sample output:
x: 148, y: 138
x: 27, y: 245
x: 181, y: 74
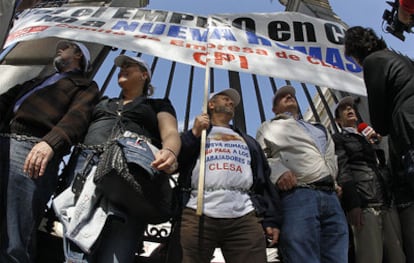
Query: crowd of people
x: 319, y: 197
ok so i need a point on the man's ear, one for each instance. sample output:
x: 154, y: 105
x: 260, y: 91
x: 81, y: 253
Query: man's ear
x: 78, y: 56
x: 145, y: 75
x: 274, y: 110
x: 210, y: 105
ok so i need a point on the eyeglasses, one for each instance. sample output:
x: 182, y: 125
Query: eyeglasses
x: 68, y: 45
x: 64, y: 46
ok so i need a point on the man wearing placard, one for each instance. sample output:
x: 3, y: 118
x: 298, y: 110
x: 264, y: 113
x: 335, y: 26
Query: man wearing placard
x: 240, y: 204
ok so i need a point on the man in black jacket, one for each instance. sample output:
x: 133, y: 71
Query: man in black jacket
x: 389, y: 78
x: 365, y: 196
x: 239, y: 199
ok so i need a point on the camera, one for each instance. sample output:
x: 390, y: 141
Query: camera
x: 395, y: 26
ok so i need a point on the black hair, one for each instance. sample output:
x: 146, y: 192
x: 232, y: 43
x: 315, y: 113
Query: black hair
x: 341, y: 107
x: 360, y: 42
x: 148, y: 88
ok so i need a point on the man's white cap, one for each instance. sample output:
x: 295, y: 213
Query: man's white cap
x: 232, y: 93
x: 121, y: 59
x: 85, y: 52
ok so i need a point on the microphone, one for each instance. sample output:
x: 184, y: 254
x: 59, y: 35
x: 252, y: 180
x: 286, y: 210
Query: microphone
x: 368, y: 132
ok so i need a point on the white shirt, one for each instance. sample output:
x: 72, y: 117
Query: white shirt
x: 228, y: 176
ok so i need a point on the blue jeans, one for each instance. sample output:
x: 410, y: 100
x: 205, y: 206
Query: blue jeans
x: 119, y: 239
x: 314, y: 227
x: 118, y: 243
x: 23, y: 200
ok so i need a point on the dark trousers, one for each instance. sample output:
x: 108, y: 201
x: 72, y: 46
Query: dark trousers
x: 407, y: 229
x: 240, y: 239
x: 379, y: 239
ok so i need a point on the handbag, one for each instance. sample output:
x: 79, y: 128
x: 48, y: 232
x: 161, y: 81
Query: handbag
x: 125, y: 176
x: 138, y: 151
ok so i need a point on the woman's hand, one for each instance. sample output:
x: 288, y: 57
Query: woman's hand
x: 165, y: 160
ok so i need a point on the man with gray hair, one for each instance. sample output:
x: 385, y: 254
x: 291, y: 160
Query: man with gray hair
x: 304, y: 168
x: 41, y: 119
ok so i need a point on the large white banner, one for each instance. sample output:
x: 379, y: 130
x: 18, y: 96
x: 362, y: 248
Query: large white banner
x: 284, y: 45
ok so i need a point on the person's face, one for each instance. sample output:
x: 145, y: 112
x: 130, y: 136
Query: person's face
x: 286, y: 103
x: 68, y: 51
x: 347, y: 116
x: 67, y: 57
x: 131, y: 76
x: 357, y: 61
x: 222, y: 103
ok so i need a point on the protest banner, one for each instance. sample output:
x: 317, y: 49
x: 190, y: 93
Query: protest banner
x: 285, y: 45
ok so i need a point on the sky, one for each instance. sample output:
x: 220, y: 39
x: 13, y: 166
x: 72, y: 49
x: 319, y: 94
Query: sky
x: 366, y: 13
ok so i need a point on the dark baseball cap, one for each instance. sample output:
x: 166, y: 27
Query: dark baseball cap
x: 345, y: 101
x: 282, y: 92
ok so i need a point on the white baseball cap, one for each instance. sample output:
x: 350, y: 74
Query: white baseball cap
x: 232, y: 93
x: 121, y: 59
x: 85, y: 52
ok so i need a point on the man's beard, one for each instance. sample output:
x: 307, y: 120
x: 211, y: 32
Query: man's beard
x: 60, y: 63
x: 224, y: 109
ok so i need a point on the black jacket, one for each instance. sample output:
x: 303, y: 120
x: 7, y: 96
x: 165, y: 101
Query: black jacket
x: 362, y: 175
x: 389, y: 78
x: 263, y: 194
